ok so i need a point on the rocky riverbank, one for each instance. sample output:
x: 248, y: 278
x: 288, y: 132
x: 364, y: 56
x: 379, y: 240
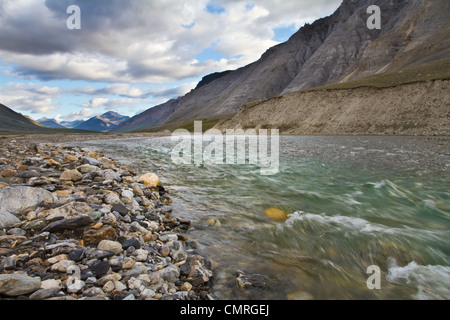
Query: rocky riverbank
x: 75, y: 224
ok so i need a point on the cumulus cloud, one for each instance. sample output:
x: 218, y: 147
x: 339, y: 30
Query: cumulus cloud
x: 147, y: 41
x: 29, y: 97
x: 83, y: 114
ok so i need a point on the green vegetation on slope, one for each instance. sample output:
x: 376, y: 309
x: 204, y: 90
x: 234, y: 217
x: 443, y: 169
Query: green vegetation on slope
x: 188, y: 125
x: 436, y: 70
x: 12, y: 122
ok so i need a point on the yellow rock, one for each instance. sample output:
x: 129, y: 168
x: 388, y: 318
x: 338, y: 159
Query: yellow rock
x: 53, y: 164
x: 276, y: 214
x: 299, y: 296
x: 70, y: 158
x: 8, y: 173
x: 63, y: 193
x: 150, y: 180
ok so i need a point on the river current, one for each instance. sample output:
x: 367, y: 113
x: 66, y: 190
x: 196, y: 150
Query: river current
x: 351, y: 203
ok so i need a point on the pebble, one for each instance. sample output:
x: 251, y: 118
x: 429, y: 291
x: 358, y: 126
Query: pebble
x: 18, y: 284
x: 85, y: 228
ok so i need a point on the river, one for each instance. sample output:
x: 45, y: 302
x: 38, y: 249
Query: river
x: 352, y: 202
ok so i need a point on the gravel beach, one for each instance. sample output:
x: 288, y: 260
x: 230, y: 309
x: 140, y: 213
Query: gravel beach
x: 75, y: 224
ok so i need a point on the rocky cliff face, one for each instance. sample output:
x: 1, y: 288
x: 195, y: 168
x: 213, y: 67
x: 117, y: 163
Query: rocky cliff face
x: 337, y: 48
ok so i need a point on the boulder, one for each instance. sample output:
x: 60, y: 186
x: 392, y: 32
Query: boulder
x: 70, y: 210
x: 71, y: 175
x: 19, y: 200
x: 14, y: 285
x: 7, y: 219
x: 150, y: 180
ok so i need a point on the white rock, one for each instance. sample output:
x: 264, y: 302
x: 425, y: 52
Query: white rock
x: 19, y: 200
x: 62, y: 266
x: 119, y: 286
x: 140, y: 255
x: 50, y: 284
x: 134, y: 284
x: 147, y: 293
x: 76, y: 286
x: 111, y: 198
x: 109, y: 245
x: 7, y: 219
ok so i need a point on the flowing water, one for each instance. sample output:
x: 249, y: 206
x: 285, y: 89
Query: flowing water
x: 353, y: 202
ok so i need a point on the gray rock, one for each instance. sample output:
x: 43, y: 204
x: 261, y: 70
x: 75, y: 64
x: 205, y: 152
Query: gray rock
x: 250, y: 281
x: 27, y: 174
x: 91, y: 161
x: 99, y: 254
x: 170, y: 274
x: 7, y: 219
x: 42, y: 294
x: 17, y: 200
x: 69, y: 224
x: 71, y: 175
x: 70, y: 210
x: 109, y: 245
x: 14, y: 285
x: 8, y: 263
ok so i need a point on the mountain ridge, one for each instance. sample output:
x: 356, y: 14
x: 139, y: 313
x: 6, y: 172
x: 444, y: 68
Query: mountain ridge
x: 335, y: 49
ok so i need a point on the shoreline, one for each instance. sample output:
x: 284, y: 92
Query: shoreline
x: 77, y: 225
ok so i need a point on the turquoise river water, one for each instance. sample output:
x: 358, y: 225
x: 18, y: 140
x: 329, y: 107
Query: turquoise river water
x: 353, y: 202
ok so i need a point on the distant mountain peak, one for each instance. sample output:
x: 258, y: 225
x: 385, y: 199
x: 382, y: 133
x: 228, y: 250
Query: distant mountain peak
x: 105, y: 122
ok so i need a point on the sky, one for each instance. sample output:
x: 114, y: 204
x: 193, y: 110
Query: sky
x: 131, y: 55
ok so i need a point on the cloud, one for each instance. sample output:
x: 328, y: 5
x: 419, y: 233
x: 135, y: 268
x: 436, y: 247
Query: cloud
x: 146, y: 41
x: 83, y: 114
x: 96, y: 103
x: 29, y: 97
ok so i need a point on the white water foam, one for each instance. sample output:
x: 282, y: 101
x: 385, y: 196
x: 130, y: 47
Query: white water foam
x: 431, y: 281
x: 356, y: 224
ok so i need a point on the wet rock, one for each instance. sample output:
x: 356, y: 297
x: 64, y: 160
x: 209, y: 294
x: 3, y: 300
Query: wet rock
x: 18, y: 284
x: 150, y: 180
x: 250, y: 281
x: 276, y: 214
x: 19, y: 200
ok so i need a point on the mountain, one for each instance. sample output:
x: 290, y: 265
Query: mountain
x: 11, y: 121
x: 71, y: 124
x: 105, y: 122
x: 50, y: 123
x: 336, y: 49
x: 149, y: 118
